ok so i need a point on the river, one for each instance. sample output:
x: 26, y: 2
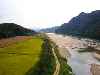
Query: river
x: 69, y: 46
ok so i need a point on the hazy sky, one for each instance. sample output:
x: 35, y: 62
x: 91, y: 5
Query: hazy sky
x: 43, y: 13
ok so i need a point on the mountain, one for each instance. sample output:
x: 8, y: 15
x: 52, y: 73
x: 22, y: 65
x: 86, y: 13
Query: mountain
x: 11, y: 30
x: 49, y: 30
x: 85, y: 25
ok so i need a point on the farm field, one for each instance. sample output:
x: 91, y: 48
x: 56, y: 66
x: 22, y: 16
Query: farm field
x: 20, y: 55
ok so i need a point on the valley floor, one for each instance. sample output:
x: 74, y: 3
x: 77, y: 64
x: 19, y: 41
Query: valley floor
x: 26, y: 55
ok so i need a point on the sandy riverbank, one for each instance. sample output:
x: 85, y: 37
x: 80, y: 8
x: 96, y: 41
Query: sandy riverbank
x: 69, y: 46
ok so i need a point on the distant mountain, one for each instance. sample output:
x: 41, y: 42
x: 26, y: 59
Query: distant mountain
x: 11, y: 30
x: 85, y: 25
x: 49, y: 30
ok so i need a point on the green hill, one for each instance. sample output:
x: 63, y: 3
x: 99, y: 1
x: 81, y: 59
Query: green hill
x: 11, y: 30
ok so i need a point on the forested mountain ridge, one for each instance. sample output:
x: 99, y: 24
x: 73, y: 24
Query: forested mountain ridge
x: 85, y: 25
x: 49, y: 30
x: 11, y: 30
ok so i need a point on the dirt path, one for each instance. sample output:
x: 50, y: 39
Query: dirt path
x: 56, y: 72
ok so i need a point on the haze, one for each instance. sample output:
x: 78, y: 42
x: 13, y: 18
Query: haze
x: 43, y: 13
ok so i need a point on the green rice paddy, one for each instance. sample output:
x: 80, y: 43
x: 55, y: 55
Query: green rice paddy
x: 18, y: 58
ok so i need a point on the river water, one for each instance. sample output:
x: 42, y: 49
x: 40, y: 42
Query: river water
x: 79, y: 62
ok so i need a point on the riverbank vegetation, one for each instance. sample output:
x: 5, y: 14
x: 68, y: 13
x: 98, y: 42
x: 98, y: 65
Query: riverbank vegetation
x: 46, y: 64
x: 87, y: 49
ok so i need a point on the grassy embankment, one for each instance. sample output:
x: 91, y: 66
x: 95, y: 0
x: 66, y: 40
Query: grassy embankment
x: 18, y: 58
x: 46, y: 64
x: 65, y: 69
